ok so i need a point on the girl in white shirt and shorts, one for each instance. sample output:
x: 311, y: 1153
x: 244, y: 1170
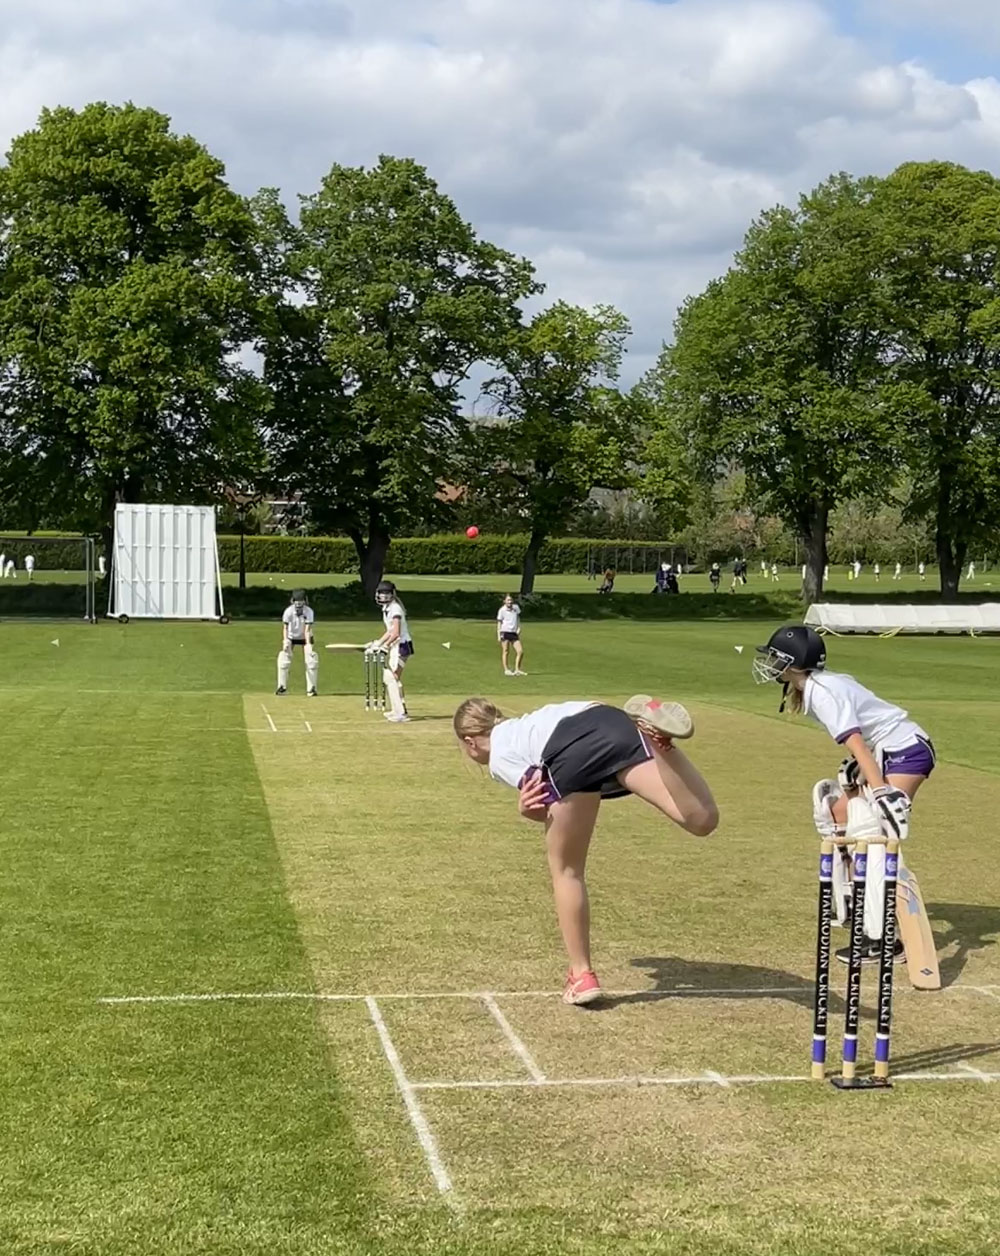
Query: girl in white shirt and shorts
x: 563, y: 759
x: 888, y: 752
x: 509, y: 634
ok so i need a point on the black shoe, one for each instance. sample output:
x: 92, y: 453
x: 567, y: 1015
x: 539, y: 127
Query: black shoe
x: 280, y: 690
x: 312, y: 694
x: 871, y: 952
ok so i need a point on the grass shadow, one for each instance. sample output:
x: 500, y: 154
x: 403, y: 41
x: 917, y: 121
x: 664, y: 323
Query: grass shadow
x: 969, y: 926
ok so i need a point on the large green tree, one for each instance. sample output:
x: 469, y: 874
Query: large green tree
x: 395, y: 301
x: 558, y: 426
x: 940, y: 245
x: 776, y: 366
x: 127, y: 292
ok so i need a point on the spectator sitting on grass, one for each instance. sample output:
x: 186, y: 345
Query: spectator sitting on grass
x: 608, y: 584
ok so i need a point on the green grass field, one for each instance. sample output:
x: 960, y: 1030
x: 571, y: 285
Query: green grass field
x: 394, y: 1072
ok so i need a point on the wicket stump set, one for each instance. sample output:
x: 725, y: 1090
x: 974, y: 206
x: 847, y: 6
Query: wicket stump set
x: 376, y: 661
x: 848, y: 1079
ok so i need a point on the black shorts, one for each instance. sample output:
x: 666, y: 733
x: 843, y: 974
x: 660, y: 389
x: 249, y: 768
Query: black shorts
x: 587, y: 751
x: 510, y: 636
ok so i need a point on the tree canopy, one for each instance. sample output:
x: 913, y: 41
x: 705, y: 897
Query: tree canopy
x: 397, y: 299
x: 127, y: 293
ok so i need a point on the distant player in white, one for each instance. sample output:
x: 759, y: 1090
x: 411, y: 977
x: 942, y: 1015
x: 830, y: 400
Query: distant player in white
x: 297, y: 629
x: 826, y: 573
x: 922, y: 570
x: 29, y: 565
x: 774, y: 573
x: 898, y: 571
x: 509, y: 634
x: 971, y: 573
x: 763, y: 567
x: 877, y: 573
x: 10, y: 569
x: 101, y: 565
x: 857, y: 569
x: 397, y: 640
x: 3, y: 564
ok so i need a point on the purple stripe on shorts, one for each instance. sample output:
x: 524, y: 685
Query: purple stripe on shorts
x: 917, y: 759
x: 844, y: 736
x: 645, y: 743
x: 405, y: 649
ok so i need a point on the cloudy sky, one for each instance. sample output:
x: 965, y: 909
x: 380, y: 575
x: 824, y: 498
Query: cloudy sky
x: 623, y: 145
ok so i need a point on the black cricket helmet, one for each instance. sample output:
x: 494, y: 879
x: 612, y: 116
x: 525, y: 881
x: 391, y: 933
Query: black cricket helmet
x: 299, y: 598
x: 385, y: 592
x: 795, y: 645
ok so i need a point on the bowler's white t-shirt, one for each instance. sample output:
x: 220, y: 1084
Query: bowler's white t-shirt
x: 509, y: 618
x: 394, y: 610
x: 843, y: 706
x: 296, y: 623
x: 29, y: 562
x: 517, y: 744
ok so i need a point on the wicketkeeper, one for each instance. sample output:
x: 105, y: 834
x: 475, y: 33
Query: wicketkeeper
x: 297, y: 629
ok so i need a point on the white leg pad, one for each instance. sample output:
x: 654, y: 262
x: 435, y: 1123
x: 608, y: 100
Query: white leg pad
x: 312, y: 667
x: 394, y: 691
x: 284, y: 667
x: 842, y: 885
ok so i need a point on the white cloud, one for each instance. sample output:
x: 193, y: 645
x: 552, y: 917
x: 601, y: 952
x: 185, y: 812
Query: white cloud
x: 624, y: 145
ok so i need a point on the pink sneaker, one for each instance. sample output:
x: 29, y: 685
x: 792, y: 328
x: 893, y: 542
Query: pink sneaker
x: 583, y: 989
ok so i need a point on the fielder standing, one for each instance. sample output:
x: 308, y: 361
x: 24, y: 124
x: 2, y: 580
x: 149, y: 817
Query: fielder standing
x: 509, y: 634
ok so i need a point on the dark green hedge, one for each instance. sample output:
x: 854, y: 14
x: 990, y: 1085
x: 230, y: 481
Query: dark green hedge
x: 448, y: 555
x: 62, y: 554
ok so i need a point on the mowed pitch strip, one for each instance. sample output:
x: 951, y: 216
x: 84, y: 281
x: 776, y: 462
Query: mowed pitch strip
x: 418, y: 892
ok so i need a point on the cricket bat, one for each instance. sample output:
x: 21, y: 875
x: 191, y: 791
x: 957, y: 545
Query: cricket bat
x: 341, y: 645
x: 915, y: 933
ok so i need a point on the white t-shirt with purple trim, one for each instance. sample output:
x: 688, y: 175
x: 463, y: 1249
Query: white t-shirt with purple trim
x: 518, y: 744
x: 843, y: 706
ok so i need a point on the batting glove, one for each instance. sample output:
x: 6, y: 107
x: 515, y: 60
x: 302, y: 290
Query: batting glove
x: 893, y: 808
x: 849, y: 774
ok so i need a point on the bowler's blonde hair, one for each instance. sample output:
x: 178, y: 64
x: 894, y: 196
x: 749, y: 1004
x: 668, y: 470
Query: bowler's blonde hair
x: 476, y: 717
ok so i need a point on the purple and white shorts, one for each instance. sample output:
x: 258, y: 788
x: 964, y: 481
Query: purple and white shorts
x: 916, y: 759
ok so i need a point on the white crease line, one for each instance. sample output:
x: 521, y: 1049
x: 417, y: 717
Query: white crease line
x: 520, y: 1050
x: 413, y: 1109
x: 974, y: 1072
x: 309, y: 727
x: 684, y: 992
x: 232, y: 998
x: 267, y: 716
x: 987, y: 990
x: 701, y: 1079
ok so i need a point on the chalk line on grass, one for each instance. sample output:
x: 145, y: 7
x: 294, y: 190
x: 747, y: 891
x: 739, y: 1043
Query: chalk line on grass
x: 680, y: 992
x: 413, y: 1108
x: 267, y: 716
x: 517, y: 1046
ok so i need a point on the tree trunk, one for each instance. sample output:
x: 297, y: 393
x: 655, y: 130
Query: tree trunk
x: 371, y: 555
x: 530, y: 563
x: 814, y: 539
x: 951, y: 559
x: 950, y: 548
